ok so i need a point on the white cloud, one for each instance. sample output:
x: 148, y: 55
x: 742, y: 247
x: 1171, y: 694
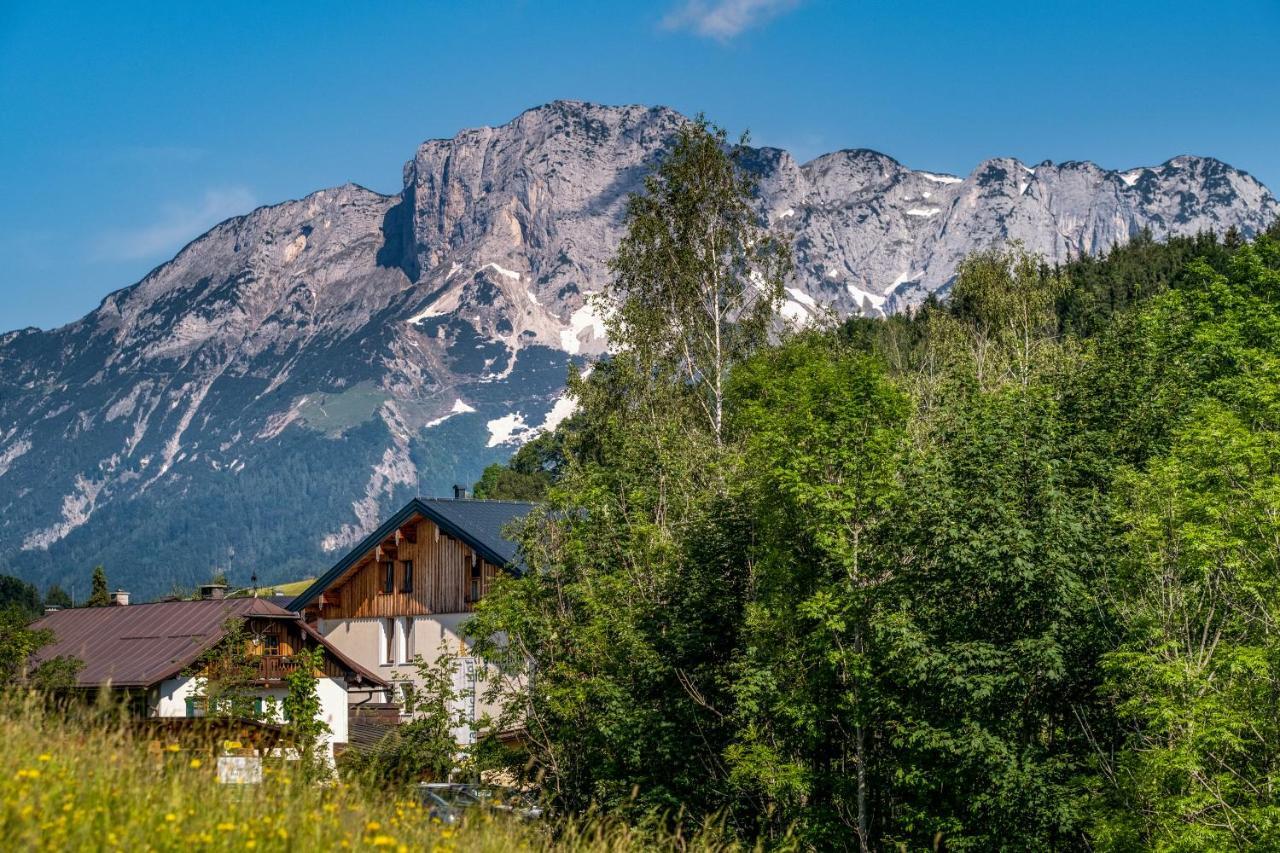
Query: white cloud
x: 724, y: 19
x: 176, y: 225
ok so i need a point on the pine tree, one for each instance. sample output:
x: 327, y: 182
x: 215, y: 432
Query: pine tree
x: 98, y: 595
x: 56, y: 596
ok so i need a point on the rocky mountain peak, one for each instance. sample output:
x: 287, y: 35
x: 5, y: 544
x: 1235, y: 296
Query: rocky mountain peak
x: 263, y: 398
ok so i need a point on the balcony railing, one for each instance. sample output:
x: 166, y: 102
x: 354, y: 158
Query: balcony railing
x: 275, y: 667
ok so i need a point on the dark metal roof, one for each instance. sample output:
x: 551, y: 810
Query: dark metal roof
x: 482, y: 523
x: 138, y: 645
x: 478, y: 523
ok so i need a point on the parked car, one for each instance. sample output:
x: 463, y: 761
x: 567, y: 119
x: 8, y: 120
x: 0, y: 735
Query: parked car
x: 447, y: 801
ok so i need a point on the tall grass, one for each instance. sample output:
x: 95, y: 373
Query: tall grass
x: 79, y: 780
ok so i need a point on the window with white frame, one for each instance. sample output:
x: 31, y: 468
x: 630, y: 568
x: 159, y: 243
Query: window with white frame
x: 399, y: 629
x: 408, y: 638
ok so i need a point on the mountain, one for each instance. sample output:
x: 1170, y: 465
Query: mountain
x: 258, y: 402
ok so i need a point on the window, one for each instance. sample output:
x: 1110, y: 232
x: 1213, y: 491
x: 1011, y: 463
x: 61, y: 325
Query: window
x: 388, y: 577
x: 387, y: 636
x: 408, y: 638
x: 475, y: 590
x: 271, y: 644
x: 407, y: 584
x: 399, y: 628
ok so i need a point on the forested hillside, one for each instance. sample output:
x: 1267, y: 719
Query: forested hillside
x: 998, y: 575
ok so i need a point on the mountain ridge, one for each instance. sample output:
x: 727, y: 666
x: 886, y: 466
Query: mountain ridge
x: 311, y: 363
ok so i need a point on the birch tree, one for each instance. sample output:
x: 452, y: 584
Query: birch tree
x: 697, y: 278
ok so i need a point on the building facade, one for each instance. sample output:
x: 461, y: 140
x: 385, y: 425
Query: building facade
x: 401, y: 596
x: 152, y: 654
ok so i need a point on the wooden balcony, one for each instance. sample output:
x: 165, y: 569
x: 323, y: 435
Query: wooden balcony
x: 275, y: 667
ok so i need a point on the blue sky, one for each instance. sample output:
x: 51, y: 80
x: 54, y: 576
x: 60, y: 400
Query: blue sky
x: 128, y: 129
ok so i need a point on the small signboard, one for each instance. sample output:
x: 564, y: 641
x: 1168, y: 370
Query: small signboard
x: 239, y: 769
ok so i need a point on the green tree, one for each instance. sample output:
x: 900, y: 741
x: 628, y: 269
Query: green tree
x: 301, y: 705
x: 530, y: 472
x: 823, y: 429
x: 19, y: 642
x: 700, y: 279
x: 56, y: 596
x: 425, y: 748
x: 225, y: 678
x: 98, y: 595
x: 17, y: 593
x: 616, y: 639
x: 1196, y: 588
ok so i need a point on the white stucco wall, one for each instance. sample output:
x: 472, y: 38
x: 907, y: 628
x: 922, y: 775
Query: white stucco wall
x: 332, y: 692
x: 361, y: 640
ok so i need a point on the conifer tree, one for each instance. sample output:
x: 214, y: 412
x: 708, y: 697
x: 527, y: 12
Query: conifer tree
x: 98, y: 595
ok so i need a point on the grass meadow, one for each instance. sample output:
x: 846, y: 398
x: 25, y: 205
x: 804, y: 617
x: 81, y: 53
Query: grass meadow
x: 80, y: 780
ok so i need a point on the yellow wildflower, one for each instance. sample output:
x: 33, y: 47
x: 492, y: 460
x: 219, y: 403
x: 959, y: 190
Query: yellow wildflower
x: 195, y: 763
x: 373, y: 826
x: 383, y: 841
x: 44, y: 756
x: 170, y: 817
x: 226, y: 827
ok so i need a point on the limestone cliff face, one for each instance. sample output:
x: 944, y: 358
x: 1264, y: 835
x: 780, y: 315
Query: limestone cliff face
x: 260, y: 400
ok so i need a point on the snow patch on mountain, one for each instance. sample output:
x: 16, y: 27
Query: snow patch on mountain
x: 802, y: 297
x: 508, y: 429
x: 584, y: 321
x: 459, y: 408
x: 503, y: 271
x: 1131, y: 177
x: 563, y: 407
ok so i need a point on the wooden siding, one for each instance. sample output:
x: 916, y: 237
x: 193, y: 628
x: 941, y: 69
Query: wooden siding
x: 441, y: 577
x: 291, y: 640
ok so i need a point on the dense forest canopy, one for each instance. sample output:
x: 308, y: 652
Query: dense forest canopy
x: 998, y: 574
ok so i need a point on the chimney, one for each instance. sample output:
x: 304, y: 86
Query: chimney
x: 459, y: 493
x: 213, y: 591
x: 119, y: 598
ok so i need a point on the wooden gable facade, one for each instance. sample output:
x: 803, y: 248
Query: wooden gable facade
x: 430, y: 572
x: 274, y: 642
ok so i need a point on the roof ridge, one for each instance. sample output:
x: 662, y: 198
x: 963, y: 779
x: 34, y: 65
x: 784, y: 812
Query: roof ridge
x: 481, y: 501
x: 150, y: 603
